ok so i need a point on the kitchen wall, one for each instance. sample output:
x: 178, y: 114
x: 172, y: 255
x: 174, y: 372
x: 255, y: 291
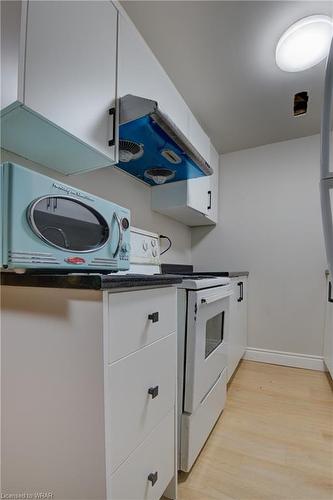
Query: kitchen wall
x: 270, y: 225
x: 112, y: 184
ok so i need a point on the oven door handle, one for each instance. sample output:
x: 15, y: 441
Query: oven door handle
x: 214, y: 298
x: 120, y: 238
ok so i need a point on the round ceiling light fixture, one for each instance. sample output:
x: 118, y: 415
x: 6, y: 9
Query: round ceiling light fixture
x: 304, y: 44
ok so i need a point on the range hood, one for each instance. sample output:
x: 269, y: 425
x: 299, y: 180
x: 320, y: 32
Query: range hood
x: 152, y: 148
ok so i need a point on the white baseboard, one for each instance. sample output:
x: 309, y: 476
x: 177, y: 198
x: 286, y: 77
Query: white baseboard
x: 285, y: 358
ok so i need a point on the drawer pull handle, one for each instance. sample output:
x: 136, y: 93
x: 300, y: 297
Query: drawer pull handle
x: 153, y: 391
x: 153, y: 317
x: 153, y: 476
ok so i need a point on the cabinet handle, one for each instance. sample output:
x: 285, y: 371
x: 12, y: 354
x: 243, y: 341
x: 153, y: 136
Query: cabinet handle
x: 241, y: 291
x: 153, y: 391
x: 153, y: 317
x: 153, y: 476
x: 329, y: 298
x: 210, y: 200
x: 112, y: 125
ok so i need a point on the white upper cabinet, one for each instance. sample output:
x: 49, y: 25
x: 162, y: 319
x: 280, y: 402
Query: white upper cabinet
x: 193, y: 202
x: 61, y: 62
x: 184, y: 201
x: 70, y: 73
x: 139, y: 73
x: 213, y: 189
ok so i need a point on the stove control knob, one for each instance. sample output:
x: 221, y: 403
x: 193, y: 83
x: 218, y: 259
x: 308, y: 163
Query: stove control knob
x: 145, y: 246
x: 153, y: 243
x: 154, y: 252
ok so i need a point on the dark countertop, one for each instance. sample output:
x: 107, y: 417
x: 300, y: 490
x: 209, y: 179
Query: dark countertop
x: 88, y: 281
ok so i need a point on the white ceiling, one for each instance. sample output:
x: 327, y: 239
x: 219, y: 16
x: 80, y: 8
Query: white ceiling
x: 221, y: 57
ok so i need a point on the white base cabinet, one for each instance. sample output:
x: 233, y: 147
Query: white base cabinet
x: 328, y: 338
x: 237, y: 335
x: 59, y: 67
x: 82, y: 418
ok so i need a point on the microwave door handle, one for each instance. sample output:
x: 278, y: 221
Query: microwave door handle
x: 120, y: 238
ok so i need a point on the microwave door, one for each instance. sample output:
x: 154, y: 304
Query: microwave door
x: 68, y: 224
x: 207, y: 323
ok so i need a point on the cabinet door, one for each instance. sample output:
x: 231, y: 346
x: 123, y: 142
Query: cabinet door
x: 237, y: 335
x: 198, y: 194
x: 139, y: 73
x: 149, y: 469
x: 70, y: 70
x: 202, y: 194
x: 213, y: 188
x: 243, y: 315
x: 328, y: 340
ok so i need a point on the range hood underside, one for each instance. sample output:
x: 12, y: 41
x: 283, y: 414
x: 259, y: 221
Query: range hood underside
x: 163, y: 144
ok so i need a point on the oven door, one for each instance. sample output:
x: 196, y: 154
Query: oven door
x: 206, y: 354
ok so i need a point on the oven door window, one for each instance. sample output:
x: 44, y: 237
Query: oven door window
x: 68, y: 224
x: 214, y: 333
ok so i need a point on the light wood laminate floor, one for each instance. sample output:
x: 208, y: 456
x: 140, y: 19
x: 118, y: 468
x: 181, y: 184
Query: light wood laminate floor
x: 274, y: 440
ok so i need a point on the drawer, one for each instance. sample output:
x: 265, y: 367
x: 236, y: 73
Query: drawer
x: 129, y: 326
x: 195, y: 427
x: 132, y: 411
x: 155, y: 455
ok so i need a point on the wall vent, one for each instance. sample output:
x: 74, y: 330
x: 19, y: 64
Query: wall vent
x: 300, y: 103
